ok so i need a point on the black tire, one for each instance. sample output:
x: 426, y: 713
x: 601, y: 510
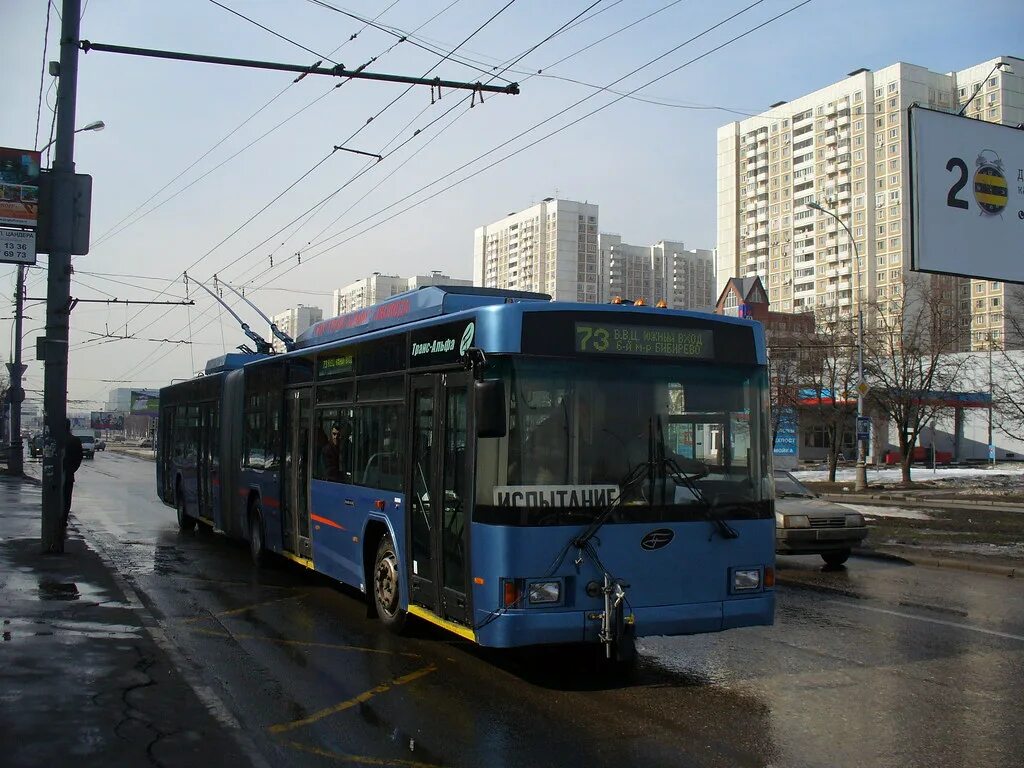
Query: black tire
x: 386, y: 585
x: 186, y: 522
x: 257, y: 544
x: 835, y: 559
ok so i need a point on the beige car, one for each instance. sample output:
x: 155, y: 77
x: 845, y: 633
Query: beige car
x: 808, y: 525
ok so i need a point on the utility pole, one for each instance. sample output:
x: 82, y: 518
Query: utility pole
x: 17, y: 395
x: 991, y: 445
x: 58, y: 292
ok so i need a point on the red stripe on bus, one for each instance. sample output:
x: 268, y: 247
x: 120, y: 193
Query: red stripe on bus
x: 325, y: 521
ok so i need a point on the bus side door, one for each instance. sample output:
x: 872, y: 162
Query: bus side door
x: 295, y: 495
x: 440, y: 494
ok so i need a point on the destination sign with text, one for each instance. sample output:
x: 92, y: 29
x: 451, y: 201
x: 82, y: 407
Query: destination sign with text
x: 613, y: 339
x: 329, y: 367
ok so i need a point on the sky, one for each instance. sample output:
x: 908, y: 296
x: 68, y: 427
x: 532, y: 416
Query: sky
x: 231, y: 172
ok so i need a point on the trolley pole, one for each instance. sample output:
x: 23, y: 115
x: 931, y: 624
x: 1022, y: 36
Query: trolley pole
x: 58, y: 292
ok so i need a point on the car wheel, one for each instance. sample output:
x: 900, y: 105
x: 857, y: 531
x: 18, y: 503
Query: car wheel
x: 387, y: 578
x: 185, y: 521
x: 837, y: 558
x: 256, y: 543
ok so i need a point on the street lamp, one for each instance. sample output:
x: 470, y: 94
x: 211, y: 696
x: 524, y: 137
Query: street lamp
x: 1003, y: 65
x: 861, y: 478
x: 95, y: 125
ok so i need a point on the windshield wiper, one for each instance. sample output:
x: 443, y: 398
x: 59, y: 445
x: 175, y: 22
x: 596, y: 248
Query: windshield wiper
x: 689, y: 482
x: 635, y: 476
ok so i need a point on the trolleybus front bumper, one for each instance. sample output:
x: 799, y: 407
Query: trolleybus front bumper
x: 542, y: 627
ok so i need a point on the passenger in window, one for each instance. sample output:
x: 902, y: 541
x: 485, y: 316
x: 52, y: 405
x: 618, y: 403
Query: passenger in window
x: 336, y: 455
x: 392, y: 431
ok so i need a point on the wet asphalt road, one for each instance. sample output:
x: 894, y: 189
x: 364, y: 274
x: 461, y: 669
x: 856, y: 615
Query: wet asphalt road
x: 877, y: 664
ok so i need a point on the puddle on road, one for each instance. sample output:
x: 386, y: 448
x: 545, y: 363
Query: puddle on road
x: 24, y: 629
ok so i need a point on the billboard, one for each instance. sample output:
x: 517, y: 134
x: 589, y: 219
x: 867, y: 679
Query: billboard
x: 144, y: 404
x: 106, y: 420
x: 19, y: 187
x: 966, y: 196
x: 786, y: 435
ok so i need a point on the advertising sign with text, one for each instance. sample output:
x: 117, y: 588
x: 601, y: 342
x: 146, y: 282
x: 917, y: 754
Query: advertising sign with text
x: 17, y: 246
x: 19, y: 187
x: 967, y: 196
x: 106, y: 420
x: 145, y: 404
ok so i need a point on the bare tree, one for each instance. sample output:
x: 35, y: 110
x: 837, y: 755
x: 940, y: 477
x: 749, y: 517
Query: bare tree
x: 1006, y: 369
x: 829, y: 371
x: 907, y: 356
x: 814, y: 372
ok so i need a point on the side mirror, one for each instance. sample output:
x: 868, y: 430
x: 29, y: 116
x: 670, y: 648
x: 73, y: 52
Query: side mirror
x: 490, y: 408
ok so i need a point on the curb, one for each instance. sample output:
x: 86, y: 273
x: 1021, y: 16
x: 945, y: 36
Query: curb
x: 887, y: 500
x: 122, y: 452
x: 933, y: 561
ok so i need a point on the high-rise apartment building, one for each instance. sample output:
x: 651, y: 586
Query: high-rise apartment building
x: 845, y: 147
x: 551, y: 247
x: 377, y: 287
x: 667, y: 270
x: 294, y: 321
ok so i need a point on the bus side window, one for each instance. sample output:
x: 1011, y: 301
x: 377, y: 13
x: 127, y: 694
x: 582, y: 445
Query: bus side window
x: 333, y: 445
x: 379, y: 454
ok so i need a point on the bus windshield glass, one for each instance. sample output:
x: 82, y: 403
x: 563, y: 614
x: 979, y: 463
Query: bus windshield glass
x: 662, y: 441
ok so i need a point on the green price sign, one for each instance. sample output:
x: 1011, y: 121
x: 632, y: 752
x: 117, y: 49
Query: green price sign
x: 608, y: 339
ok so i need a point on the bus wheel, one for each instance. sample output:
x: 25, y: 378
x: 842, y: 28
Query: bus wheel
x: 186, y: 523
x: 386, y: 590
x: 256, y: 548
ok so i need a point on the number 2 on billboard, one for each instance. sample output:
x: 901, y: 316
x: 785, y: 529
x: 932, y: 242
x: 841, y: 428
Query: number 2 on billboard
x: 951, y: 199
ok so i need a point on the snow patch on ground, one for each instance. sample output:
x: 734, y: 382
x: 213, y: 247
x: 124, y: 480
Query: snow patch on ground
x: 892, y: 474
x: 880, y: 511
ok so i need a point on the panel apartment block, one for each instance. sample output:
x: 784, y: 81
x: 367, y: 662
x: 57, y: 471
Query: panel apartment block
x: 845, y: 147
x: 551, y: 247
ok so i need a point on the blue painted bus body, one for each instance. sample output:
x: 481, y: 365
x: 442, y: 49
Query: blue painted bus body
x: 683, y: 588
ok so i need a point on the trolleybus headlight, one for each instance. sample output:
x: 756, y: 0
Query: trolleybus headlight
x: 746, y: 580
x: 545, y: 592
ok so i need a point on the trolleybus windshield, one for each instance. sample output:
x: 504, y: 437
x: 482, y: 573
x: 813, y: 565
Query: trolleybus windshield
x: 675, y: 441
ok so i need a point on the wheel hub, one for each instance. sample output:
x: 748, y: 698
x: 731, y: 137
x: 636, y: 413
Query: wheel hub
x: 386, y: 583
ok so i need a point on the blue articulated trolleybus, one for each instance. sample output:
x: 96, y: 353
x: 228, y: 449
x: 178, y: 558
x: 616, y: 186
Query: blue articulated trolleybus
x: 516, y: 470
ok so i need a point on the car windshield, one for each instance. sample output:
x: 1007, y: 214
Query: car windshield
x: 788, y: 486
x: 673, y: 441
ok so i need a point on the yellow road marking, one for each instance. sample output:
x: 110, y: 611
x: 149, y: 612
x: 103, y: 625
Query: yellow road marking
x: 222, y: 582
x: 243, y: 609
x: 355, y: 701
x: 303, y: 643
x: 358, y: 759
x: 451, y: 626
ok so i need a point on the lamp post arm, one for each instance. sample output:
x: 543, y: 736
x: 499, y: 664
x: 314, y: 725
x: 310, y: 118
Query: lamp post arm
x: 978, y: 90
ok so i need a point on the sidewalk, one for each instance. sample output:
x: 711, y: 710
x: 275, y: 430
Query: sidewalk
x: 82, y: 680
